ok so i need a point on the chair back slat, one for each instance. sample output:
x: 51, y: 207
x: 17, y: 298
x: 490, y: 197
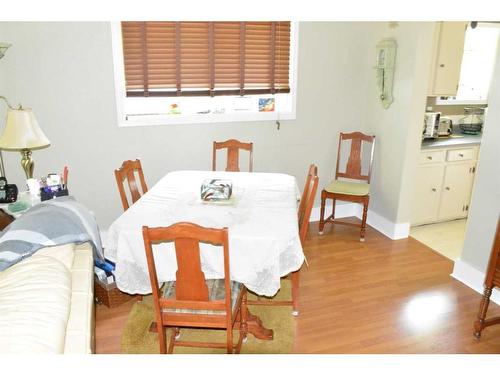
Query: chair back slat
x: 307, y: 202
x: 190, y: 280
x: 355, y: 159
x: 127, y: 172
x: 233, y: 159
x: 233, y: 147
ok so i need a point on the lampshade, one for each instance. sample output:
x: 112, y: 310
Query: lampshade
x: 22, y: 131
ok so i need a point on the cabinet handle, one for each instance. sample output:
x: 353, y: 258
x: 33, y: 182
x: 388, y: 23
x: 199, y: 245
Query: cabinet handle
x: 467, y: 208
x: 434, y: 189
x: 461, y: 155
x: 447, y: 188
x: 429, y: 157
x: 441, y: 65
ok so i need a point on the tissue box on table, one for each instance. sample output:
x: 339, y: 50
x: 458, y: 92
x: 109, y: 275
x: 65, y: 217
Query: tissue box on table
x: 216, y: 190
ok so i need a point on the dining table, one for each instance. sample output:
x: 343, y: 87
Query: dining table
x: 261, y: 217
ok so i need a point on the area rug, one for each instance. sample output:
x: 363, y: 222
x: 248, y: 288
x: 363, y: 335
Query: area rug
x: 136, y: 338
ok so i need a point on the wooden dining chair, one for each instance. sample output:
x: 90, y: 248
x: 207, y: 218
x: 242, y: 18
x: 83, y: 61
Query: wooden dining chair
x: 304, y: 214
x: 233, y: 147
x: 127, y: 172
x: 191, y: 300
x: 357, y: 191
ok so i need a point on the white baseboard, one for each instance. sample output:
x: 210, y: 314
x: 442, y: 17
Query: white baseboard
x: 394, y: 231
x: 473, y: 278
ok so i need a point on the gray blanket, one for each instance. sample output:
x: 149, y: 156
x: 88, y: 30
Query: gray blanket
x: 55, y: 222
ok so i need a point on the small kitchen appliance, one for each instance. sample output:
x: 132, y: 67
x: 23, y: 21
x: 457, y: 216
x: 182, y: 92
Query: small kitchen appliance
x: 472, y: 123
x: 445, y: 127
x: 431, y: 125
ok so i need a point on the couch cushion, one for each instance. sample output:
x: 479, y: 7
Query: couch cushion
x: 80, y: 328
x: 35, y: 297
x: 63, y: 253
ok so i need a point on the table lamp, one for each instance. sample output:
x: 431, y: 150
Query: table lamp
x: 22, y: 133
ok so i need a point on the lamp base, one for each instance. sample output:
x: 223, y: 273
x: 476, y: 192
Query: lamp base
x: 27, y: 163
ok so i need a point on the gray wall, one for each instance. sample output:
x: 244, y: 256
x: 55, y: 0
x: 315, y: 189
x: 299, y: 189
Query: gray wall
x: 397, y: 128
x: 64, y: 72
x: 485, y: 203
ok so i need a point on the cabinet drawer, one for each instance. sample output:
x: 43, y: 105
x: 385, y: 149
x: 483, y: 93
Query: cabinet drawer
x: 461, y: 154
x: 427, y: 157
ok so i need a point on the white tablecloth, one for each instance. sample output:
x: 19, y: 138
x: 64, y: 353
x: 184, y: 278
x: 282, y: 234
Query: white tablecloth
x: 264, y: 242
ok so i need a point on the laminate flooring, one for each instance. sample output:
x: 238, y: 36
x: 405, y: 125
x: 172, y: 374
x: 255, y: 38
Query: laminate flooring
x: 377, y: 296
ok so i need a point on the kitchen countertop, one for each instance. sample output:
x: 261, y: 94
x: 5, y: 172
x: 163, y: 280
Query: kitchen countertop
x: 455, y: 140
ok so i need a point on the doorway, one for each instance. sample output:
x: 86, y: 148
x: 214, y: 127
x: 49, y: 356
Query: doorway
x: 436, y: 218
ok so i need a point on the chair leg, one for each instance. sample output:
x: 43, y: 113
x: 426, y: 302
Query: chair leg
x: 171, y: 341
x: 295, y: 292
x: 322, y: 214
x: 333, y: 209
x: 244, y: 317
x: 229, y: 331
x: 483, y: 308
x: 243, y: 323
x: 161, y: 337
x: 363, y: 222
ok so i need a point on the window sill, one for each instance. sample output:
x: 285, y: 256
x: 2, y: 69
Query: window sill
x: 152, y: 120
x: 460, y: 102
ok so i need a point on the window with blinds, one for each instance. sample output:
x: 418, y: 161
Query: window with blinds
x: 206, y: 58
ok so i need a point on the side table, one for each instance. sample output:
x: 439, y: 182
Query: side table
x: 7, y: 216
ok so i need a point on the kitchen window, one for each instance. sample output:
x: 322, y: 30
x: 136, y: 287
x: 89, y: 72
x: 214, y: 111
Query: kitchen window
x: 199, y: 72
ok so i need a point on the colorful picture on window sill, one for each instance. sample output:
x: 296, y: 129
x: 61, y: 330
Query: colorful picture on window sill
x: 266, y: 104
x: 174, y: 109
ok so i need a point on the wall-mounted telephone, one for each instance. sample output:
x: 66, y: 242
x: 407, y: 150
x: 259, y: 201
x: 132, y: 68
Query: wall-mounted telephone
x: 386, y: 61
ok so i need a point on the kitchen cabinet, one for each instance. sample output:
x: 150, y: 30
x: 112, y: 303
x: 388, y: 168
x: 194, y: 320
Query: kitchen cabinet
x: 443, y: 184
x: 427, y: 192
x: 447, y: 55
x: 455, y: 191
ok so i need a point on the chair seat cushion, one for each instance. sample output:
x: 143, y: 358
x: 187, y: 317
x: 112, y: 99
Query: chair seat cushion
x: 216, y: 291
x: 349, y: 188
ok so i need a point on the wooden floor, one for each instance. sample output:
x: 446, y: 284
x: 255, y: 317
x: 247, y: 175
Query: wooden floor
x: 380, y: 296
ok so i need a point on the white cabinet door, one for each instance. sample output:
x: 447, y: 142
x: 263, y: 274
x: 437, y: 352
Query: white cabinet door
x: 427, y: 192
x: 457, y: 185
x: 447, y: 58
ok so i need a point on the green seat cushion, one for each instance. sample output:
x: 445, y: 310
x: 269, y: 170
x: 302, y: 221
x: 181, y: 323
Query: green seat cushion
x: 349, y: 188
x: 216, y: 291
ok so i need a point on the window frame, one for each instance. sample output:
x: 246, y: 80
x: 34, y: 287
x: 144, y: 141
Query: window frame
x: 151, y: 119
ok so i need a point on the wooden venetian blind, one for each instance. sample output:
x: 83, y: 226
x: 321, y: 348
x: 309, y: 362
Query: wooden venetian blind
x: 206, y: 58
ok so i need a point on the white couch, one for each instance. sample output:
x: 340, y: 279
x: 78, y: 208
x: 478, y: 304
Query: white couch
x: 47, y: 302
